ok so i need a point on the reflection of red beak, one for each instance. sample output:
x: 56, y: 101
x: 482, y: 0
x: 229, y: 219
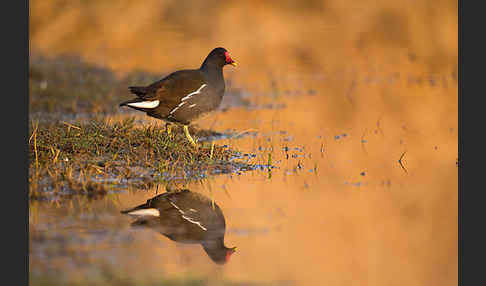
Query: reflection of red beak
x: 229, y: 252
x: 229, y: 61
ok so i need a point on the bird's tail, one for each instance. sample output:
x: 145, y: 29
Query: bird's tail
x: 127, y: 211
x: 140, y: 220
x: 138, y: 90
x: 141, y: 104
x: 126, y: 103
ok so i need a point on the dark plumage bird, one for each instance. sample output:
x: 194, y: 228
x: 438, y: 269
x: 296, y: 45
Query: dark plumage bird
x: 184, y: 95
x: 186, y: 217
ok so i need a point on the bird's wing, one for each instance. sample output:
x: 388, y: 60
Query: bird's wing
x: 189, y: 214
x: 156, y: 202
x: 198, y: 209
x: 173, y: 88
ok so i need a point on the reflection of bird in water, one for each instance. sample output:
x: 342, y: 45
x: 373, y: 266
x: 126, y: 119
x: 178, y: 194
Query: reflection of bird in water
x: 186, y: 217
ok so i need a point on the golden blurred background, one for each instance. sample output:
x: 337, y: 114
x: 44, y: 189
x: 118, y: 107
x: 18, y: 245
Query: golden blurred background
x: 338, y: 48
x: 283, y: 36
x: 384, y: 72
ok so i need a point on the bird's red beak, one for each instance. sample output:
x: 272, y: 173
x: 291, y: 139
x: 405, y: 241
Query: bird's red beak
x: 229, y: 61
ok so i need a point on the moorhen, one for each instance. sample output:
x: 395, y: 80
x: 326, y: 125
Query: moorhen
x: 184, y: 95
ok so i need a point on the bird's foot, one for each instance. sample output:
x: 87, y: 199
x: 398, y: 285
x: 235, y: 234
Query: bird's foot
x: 188, y: 136
x: 168, y: 127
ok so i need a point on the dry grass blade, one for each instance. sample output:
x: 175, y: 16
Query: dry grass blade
x: 212, y: 150
x: 70, y: 125
x: 401, y: 162
x: 243, y: 132
x: 35, y: 148
x: 363, y: 141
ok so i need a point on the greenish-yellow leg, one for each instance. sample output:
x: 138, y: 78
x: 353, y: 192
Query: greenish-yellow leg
x: 168, y: 127
x: 186, y: 131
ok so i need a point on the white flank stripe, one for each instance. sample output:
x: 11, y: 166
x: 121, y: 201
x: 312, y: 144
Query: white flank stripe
x: 145, y: 104
x: 177, y: 107
x: 188, y: 218
x: 181, y: 211
x: 193, y: 93
x: 194, y: 222
x: 145, y: 212
x: 192, y: 105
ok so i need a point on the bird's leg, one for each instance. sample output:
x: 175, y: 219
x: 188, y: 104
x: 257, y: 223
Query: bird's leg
x: 186, y: 131
x: 168, y: 127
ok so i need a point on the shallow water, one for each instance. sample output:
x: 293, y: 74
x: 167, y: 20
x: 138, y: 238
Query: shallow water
x: 336, y: 209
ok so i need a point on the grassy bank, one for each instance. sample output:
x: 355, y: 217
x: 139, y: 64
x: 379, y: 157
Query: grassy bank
x: 94, y: 156
x: 76, y: 147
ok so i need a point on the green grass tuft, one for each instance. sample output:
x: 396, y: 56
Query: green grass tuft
x: 94, y: 156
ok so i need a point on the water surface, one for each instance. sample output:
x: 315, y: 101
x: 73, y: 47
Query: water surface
x: 337, y: 208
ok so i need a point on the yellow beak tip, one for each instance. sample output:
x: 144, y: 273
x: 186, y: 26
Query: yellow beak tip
x: 234, y: 64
